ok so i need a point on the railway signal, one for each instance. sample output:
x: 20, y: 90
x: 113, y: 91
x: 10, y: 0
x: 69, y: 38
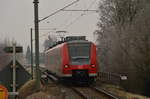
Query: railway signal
x: 14, y: 49
x: 11, y: 71
x: 9, y: 49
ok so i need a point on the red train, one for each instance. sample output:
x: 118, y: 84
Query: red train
x: 74, y: 59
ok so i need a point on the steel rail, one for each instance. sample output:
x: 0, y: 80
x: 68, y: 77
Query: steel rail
x: 105, y: 93
x: 79, y: 93
x: 100, y: 91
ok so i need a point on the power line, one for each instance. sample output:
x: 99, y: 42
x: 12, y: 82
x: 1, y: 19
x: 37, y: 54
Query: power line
x: 59, y: 10
x: 72, y: 10
x: 76, y: 19
x: 43, y: 35
x: 82, y: 14
x: 66, y: 20
x: 80, y: 10
x: 45, y: 29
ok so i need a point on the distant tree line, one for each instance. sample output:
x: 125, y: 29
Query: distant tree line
x: 4, y: 57
x: 124, y: 41
x: 47, y: 44
x: 28, y: 57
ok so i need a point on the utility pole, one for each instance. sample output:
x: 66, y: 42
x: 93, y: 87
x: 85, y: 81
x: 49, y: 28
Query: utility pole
x: 31, y: 54
x: 36, y: 22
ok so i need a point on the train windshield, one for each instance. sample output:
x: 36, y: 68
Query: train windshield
x: 79, y: 53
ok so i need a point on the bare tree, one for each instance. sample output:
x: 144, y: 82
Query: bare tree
x: 124, y: 40
x: 49, y: 42
x: 4, y: 57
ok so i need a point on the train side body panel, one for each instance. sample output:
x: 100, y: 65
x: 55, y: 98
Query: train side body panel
x: 54, y: 60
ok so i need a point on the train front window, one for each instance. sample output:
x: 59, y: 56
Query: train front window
x: 79, y: 53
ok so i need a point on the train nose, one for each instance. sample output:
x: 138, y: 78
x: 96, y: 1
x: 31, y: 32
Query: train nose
x: 80, y: 73
x: 80, y: 76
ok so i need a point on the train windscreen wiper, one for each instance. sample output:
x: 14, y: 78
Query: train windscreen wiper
x: 80, y: 57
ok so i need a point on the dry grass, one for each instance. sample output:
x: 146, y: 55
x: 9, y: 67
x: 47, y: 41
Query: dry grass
x: 27, y: 89
x: 121, y: 93
x: 42, y: 95
x: 50, y: 91
x: 53, y: 91
x: 52, y: 88
x: 38, y: 95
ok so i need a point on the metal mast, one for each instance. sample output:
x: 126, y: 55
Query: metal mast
x: 36, y: 22
x: 31, y: 54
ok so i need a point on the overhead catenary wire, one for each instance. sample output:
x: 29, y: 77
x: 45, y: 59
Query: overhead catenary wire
x: 64, y: 9
x: 80, y: 10
x: 75, y: 20
x: 59, y: 10
x: 43, y: 35
x: 66, y: 20
x: 82, y: 14
x: 45, y: 29
x: 87, y: 10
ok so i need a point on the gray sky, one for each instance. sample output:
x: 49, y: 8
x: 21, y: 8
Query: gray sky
x: 16, y: 19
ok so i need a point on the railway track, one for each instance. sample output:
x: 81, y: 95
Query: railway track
x: 93, y: 93
x: 110, y: 95
x: 86, y: 92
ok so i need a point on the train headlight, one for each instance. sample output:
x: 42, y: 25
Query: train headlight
x: 66, y: 66
x: 93, y: 66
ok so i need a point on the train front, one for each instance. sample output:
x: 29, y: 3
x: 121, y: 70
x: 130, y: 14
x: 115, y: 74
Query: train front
x: 80, y: 63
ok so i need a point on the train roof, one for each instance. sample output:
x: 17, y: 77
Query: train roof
x: 79, y: 41
x: 71, y: 39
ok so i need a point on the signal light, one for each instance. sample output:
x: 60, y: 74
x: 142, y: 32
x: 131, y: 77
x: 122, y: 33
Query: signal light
x: 93, y: 66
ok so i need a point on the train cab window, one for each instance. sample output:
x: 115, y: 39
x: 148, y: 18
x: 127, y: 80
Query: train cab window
x: 79, y: 53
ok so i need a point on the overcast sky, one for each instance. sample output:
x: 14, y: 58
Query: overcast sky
x: 16, y: 19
